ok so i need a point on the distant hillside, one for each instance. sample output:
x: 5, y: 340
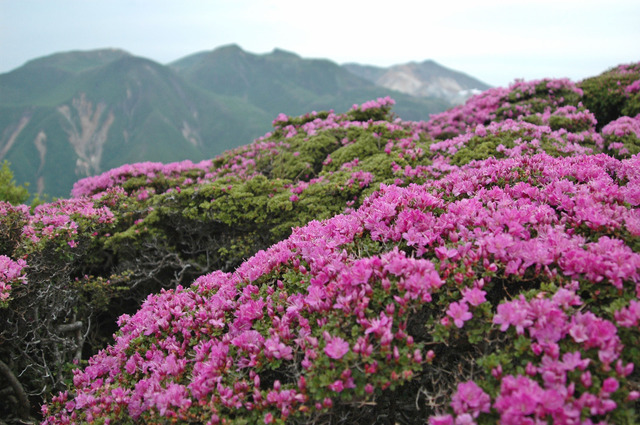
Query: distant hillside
x: 282, y: 81
x: 425, y: 79
x: 71, y: 115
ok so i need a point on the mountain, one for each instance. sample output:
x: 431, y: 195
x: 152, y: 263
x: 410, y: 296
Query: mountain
x: 74, y: 114
x: 282, y: 81
x: 424, y: 79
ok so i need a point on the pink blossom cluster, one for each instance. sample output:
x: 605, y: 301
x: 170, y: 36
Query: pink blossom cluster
x: 579, y: 118
x: 60, y: 219
x: 629, y: 77
x: 119, y: 175
x: 623, y: 126
x: 520, y: 99
x: 633, y: 87
x: 552, y: 87
x: 479, y: 109
x: 61, y: 222
x: 547, y: 390
x: 313, y: 123
x: 379, y: 103
x: 7, y: 210
x: 621, y: 135
x: 527, y: 139
x: 11, y: 272
x: 286, y: 311
x: 629, y: 68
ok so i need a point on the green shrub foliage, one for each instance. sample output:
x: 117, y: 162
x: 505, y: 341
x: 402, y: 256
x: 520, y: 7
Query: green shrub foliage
x: 613, y: 94
x: 9, y: 190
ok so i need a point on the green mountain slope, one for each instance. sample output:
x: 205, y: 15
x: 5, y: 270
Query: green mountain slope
x: 51, y: 79
x: 71, y: 115
x: 281, y: 81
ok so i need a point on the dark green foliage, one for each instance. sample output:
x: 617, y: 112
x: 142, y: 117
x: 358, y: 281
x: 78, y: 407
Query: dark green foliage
x: 9, y: 190
x: 630, y: 145
x: 302, y: 159
x: 546, y: 94
x: 607, y: 96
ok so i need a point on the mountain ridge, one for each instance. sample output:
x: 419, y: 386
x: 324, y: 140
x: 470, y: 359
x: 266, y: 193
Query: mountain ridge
x: 72, y: 114
x: 422, y: 79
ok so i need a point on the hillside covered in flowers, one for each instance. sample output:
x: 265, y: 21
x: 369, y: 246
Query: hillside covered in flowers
x: 482, y: 267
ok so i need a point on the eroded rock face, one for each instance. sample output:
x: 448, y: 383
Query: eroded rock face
x: 87, y: 128
x: 41, y: 144
x: 8, y: 138
x: 191, y: 134
x: 408, y: 79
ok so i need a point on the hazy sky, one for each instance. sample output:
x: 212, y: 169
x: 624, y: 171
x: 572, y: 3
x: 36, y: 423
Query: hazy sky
x: 496, y: 41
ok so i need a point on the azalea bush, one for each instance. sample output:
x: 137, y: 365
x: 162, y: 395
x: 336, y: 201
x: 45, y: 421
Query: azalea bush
x: 48, y: 296
x: 622, y: 136
x: 10, y: 274
x: 613, y: 94
x: 475, y: 268
x: 519, y: 272
x: 520, y: 99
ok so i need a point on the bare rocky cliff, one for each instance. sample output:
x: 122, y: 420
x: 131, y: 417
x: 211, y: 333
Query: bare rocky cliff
x: 425, y: 79
x: 87, y: 129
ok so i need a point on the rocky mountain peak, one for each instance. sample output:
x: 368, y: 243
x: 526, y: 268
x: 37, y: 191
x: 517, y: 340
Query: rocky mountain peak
x: 424, y: 79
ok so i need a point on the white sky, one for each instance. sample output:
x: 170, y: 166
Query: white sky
x: 495, y: 41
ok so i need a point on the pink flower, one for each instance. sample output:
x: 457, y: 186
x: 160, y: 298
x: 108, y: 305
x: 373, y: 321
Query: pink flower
x: 465, y: 419
x: 513, y: 313
x: 337, y: 386
x: 474, y: 296
x: 274, y: 348
x: 459, y: 312
x: 469, y: 398
x: 610, y: 385
x: 380, y: 326
x: 336, y: 348
x: 441, y: 420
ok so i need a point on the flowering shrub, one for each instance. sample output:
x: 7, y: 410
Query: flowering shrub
x: 354, y: 267
x: 146, y: 226
x: 515, y: 138
x: 521, y: 99
x: 520, y: 267
x: 179, y: 221
x: 622, y: 136
x: 613, y: 94
x: 10, y: 273
x: 163, y: 175
x: 48, y: 298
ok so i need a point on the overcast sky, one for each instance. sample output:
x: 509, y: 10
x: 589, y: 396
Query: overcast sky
x: 495, y: 41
